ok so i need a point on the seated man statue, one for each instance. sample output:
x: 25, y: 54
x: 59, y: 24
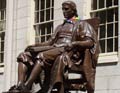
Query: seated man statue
x: 67, y: 36
x: 80, y: 56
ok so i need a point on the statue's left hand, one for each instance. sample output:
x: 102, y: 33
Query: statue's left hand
x: 68, y: 46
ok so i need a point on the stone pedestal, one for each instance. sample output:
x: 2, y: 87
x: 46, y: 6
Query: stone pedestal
x: 25, y: 92
x: 16, y: 92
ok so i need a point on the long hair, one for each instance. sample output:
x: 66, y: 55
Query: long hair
x: 76, y: 14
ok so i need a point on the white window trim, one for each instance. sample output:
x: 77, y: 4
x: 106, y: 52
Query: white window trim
x: 108, y: 57
x: 2, y: 64
x: 45, y: 21
x: 2, y: 68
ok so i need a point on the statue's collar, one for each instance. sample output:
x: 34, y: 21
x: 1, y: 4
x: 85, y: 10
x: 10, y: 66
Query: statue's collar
x: 72, y: 20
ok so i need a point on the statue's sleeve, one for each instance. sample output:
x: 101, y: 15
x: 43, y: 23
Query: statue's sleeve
x: 89, y: 36
x: 87, y: 31
x: 86, y: 36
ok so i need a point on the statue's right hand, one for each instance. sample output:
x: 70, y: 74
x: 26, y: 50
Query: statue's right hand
x: 29, y: 48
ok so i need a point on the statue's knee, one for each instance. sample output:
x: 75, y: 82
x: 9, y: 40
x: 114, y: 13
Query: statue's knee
x: 23, y: 57
x: 40, y: 59
x: 40, y: 56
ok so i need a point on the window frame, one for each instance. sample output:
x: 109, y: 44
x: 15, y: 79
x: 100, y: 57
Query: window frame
x: 2, y: 31
x: 107, y: 56
x: 39, y: 36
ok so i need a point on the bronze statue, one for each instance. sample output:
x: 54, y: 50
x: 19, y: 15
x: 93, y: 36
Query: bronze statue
x: 81, y: 57
x: 73, y: 44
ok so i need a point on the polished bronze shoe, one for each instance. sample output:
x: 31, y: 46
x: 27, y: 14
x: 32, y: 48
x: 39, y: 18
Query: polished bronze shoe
x: 23, y: 88
x: 20, y: 88
x: 13, y: 89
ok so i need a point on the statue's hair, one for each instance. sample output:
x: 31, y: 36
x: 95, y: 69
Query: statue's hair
x: 72, y: 5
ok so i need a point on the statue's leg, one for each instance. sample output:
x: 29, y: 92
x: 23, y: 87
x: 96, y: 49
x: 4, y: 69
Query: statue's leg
x: 61, y: 88
x: 91, y: 84
x: 90, y: 77
x: 43, y: 60
x: 46, y: 80
x: 89, y: 72
x: 22, y: 69
x: 35, y: 72
x: 25, y: 66
x: 57, y: 75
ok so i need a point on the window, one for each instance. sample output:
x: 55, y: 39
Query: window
x: 44, y: 10
x: 2, y: 28
x: 107, y: 11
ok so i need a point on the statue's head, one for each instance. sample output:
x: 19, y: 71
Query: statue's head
x: 69, y: 9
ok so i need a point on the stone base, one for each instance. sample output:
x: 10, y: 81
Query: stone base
x: 16, y: 92
x: 26, y: 92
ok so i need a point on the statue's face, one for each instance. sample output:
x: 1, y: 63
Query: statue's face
x: 67, y: 11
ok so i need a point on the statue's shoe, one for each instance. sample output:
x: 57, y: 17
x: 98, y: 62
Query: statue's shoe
x: 21, y: 88
x: 12, y: 88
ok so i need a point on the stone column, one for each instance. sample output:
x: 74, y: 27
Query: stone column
x: 8, y: 43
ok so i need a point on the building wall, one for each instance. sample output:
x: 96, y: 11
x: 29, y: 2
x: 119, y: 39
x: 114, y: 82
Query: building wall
x: 20, y: 33
x: 1, y: 82
x: 108, y: 74
x: 19, y: 29
x: 108, y: 78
